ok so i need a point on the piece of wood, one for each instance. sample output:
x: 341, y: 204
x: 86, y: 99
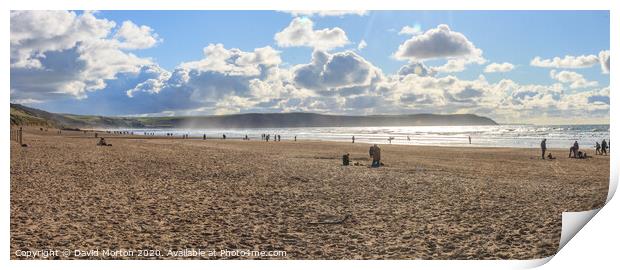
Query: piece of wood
x: 337, y: 221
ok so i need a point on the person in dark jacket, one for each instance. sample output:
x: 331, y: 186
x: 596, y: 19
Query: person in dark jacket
x: 543, y: 147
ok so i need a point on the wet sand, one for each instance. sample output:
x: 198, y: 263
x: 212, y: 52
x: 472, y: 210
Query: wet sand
x: 171, y: 194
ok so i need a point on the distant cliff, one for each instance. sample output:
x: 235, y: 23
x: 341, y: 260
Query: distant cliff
x: 22, y: 115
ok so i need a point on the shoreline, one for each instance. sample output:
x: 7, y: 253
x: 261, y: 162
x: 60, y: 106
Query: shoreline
x: 359, y: 140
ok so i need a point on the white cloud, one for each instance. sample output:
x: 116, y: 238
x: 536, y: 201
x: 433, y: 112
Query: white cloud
x: 451, y: 66
x: 410, y: 30
x: 325, y: 13
x: 603, y: 58
x: 155, y: 79
x: 499, y: 67
x: 133, y: 36
x: 300, y: 32
x: 57, y: 54
x: 575, y: 79
x: 361, y: 45
x: 224, y: 81
x: 440, y: 42
x: 234, y: 61
x: 568, y: 61
x: 329, y: 72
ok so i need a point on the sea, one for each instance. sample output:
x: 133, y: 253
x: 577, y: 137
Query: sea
x: 518, y: 136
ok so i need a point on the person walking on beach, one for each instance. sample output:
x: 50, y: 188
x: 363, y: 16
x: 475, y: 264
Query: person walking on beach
x: 470, y: 143
x: 353, y: 139
x: 543, y: 147
x: 376, y: 156
x: 224, y: 136
x: 604, y: 147
x: 295, y: 137
x: 598, y: 148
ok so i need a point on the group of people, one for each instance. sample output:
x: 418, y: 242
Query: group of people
x: 374, y: 152
x: 276, y: 137
x: 602, y: 147
x: 121, y: 132
x: 574, y: 152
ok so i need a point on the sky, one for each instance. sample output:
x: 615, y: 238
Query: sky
x: 538, y: 67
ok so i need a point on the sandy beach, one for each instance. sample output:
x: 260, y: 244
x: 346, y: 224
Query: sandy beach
x: 172, y: 194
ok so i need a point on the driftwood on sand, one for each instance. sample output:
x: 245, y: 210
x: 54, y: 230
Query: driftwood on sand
x: 330, y: 220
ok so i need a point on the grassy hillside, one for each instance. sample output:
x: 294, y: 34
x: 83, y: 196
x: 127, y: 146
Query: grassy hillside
x: 23, y: 118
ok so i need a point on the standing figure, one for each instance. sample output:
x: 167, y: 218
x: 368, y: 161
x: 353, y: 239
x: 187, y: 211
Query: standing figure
x: 353, y: 139
x: 604, y: 147
x: 543, y: 147
x: 376, y: 156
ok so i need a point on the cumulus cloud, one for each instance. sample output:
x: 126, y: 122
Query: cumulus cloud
x: 603, y: 58
x: 56, y: 54
x: 499, y: 67
x: 133, y: 36
x: 154, y: 79
x: 575, y: 79
x: 329, y: 72
x: 234, y: 61
x: 223, y: 81
x: 410, y: 30
x: 325, y: 13
x: 568, y: 61
x: 451, y: 66
x: 300, y: 32
x: 361, y: 45
x: 440, y: 42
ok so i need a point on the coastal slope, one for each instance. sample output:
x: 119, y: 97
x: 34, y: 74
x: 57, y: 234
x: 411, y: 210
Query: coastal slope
x: 23, y: 115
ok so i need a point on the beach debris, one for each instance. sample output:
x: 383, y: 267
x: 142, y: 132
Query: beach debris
x: 331, y: 220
